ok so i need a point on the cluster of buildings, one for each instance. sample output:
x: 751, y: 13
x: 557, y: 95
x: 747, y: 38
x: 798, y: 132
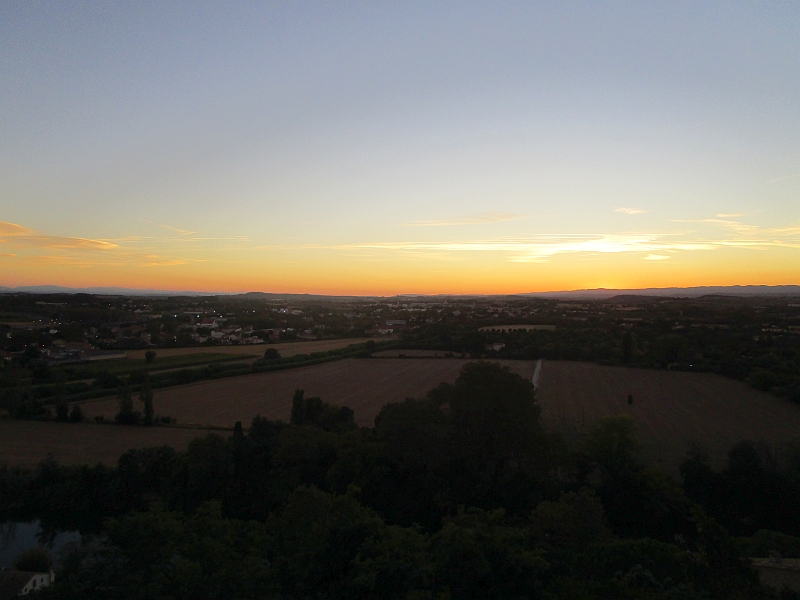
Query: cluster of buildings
x: 60, y: 352
x: 216, y: 330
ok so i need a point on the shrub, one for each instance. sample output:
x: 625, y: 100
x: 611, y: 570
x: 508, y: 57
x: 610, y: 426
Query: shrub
x: 62, y: 411
x: 76, y: 414
x: 37, y: 560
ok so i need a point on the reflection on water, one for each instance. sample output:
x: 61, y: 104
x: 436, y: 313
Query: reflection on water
x: 16, y: 537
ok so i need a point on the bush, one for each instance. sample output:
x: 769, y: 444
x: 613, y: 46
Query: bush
x: 76, y: 414
x: 313, y: 411
x: 128, y: 418
x: 37, y: 560
x: 126, y: 414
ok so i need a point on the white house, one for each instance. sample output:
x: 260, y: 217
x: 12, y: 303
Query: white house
x: 21, y: 583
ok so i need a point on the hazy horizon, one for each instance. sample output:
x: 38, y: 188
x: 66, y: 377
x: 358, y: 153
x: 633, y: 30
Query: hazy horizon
x: 440, y: 148
x: 596, y: 293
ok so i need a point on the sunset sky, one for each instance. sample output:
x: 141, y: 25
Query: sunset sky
x: 382, y: 148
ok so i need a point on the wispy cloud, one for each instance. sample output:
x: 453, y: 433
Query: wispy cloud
x: 540, y: 248
x: 657, y: 257
x: 165, y: 263
x: 730, y: 215
x: 61, y: 260
x: 168, y: 227
x: 654, y: 246
x: 36, y: 248
x: 479, y: 219
x: 745, y: 229
x: 24, y: 237
x: 630, y: 211
x: 12, y: 229
x: 727, y: 224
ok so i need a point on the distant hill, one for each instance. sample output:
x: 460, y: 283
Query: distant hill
x: 101, y: 291
x: 749, y: 291
x: 689, y: 292
x: 296, y: 297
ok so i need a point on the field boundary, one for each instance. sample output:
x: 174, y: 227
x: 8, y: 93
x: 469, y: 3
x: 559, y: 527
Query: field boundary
x: 185, y: 376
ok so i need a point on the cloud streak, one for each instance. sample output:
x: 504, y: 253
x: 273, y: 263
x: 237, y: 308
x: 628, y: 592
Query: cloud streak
x: 740, y: 228
x: 630, y: 211
x: 656, y: 257
x: 24, y: 237
x: 168, y: 227
x: 39, y: 249
x: 538, y: 249
x: 654, y: 246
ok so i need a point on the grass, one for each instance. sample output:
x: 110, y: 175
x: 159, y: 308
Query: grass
x: 133, y: 365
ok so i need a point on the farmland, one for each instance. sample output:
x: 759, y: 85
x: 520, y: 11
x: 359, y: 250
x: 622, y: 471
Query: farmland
x: 404, y: 353
x: 255, y: 350
x: 674, y: 410
x: 123, y: 366
x: 363, y: 385
x: 25, y: 443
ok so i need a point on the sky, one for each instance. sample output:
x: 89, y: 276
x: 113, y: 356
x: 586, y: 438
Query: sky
x: 399, y: 147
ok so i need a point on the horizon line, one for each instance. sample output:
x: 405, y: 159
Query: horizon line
x: 123, y: 291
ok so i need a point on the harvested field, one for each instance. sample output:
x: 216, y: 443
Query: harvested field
x: 364, y: 385
x: 25, y: 443
x: 674, y: 410
x: 285, y: 348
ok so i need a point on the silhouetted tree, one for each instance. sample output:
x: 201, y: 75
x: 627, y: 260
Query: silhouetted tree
x: 76, y: 414
x: 126, y: 415
x: 146, y: 398
x: 37, y: 560
x: 627, y: 347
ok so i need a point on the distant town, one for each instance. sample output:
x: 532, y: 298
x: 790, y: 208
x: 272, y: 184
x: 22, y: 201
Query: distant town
x: 751, y: 337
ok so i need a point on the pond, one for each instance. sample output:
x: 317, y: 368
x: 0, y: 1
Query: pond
x: 17, y: 537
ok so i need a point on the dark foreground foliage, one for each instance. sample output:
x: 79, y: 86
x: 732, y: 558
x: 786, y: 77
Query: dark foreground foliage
x: 460, y: 494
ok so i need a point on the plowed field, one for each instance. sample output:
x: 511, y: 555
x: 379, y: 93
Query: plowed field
x: 674, y: 410
x: 362, y: 384
x: 25, y: 443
